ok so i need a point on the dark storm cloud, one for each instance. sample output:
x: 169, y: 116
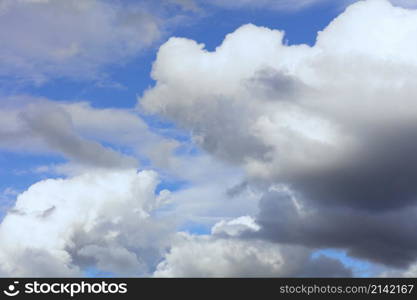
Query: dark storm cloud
x: 381, y: 175
x: 383, y: 237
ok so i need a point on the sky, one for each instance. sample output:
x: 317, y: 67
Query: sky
x: 196, y: 138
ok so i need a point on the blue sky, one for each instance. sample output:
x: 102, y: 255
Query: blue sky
x: 127, y: 148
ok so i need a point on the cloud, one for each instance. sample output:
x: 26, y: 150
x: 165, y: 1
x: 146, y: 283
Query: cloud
x: 54, y: 127
x: 379, y: 237
x: 88, y: 137
x: 7, y: 197
x: 188, y: 5
x: 235, y: 227
x: 286, y: 5
x: 404, y: 3
x: 98, y: 219
x: 202, y: 198
x: 333, y: 124
x: 215, y: 256
x: 75, y: 39
x: 295, y: 5
x: 322, y: 135
x: 43, y: 126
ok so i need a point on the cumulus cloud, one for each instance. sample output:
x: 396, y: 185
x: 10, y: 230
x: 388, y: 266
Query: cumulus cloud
x: 76, y: 39
x: 333, y: 124
x: 222, y: 256
x: 99, y: 219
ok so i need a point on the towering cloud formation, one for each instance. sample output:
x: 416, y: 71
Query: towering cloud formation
x: 330, y: 128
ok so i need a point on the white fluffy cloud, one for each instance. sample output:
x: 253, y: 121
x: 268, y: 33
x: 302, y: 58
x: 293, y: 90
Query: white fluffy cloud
x: 53, y: 38
x: 98, y: 219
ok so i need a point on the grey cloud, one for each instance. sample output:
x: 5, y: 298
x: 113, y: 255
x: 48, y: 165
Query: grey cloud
x: 189, y: 5
x: 80, y: 133
x: 382, y: 237
x: 273, y: 85
x: 237, y: 189
x: 405, y: 3
x: 217, y: 127
x: 295, y: 5
x: 378, y: 175
x: 47, y: 212
x: 16, y: 212
x: 284, y: 5
x: 54, y: 126
x: 75, y: 39
x: 40, y: 263
x: 129, y: 252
